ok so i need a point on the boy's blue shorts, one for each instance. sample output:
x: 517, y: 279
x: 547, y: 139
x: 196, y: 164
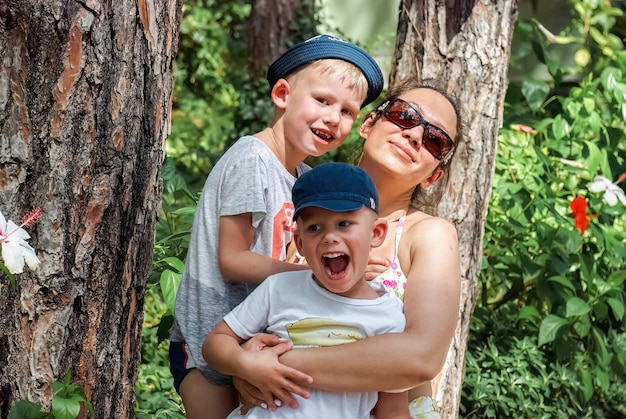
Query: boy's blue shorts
x: 178, y: 363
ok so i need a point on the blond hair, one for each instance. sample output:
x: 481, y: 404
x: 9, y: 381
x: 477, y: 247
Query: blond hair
x: 348, y: 73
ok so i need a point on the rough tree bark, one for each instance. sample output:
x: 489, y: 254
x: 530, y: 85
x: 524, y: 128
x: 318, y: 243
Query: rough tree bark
x: 463, y: 47
x: 85, y: 98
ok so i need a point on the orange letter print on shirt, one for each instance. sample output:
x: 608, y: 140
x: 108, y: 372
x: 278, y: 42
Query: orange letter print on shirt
x: 284, y: 226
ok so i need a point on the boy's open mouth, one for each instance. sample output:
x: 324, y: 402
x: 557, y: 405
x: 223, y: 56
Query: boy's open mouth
x: 323, y: 135
x: 335, y: 264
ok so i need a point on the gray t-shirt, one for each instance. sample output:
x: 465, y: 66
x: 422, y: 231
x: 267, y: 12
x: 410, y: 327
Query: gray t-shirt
x: 248, y: 178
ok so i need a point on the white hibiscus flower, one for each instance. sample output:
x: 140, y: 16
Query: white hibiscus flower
x: 612, y: 192
x: 15, y: 249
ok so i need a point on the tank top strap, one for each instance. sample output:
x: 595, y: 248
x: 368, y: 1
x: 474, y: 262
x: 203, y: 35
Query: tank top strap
x: 399, y: 234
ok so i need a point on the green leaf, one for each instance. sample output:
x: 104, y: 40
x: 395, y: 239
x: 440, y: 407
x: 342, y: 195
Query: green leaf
x: 576, y: 307
x: 185, y: 211
x: 66, y: 408
x: 601, y: 351
x: 549, y: 328
x: 535, y: 92
x: 565, y: 282
x: 175, y: 263
x: 616, y: 279
x: 560, y: 128
x: 168, y: 168
x: 529, y: 313
x: 25, y: 409
x: 170, y: 282
x: 595, y: 156
x: 602, y: 378
x: 9, y: 274
x: 617, y: 306
x: 589, y: 104
x: 587, y: 384
x: 601, y: 310
x: 582, y: 326
x: 610, y: 76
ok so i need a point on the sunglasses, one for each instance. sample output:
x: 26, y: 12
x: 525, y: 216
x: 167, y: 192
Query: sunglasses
x: 435, y: 140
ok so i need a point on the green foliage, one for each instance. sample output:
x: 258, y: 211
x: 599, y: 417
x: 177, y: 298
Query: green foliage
x: 206, y: 95
x: 178, y: 206
x: 562, y: 290
x: 507, y: 375
x: 67, y: 400
x: 156, y: 396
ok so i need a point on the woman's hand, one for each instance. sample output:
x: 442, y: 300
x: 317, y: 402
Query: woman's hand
x: 267, y: 382
x: 375, y: 267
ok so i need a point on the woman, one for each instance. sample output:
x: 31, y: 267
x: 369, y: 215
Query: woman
x: 409, y: 141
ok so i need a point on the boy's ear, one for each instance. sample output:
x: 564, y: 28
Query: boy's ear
x: 379, y: 232
x: 434, y: 177
x: 280, y: 93
x: 298, y: 241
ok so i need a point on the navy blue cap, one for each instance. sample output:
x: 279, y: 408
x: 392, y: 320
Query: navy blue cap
x: 337, y: 187
x: 323, y: 47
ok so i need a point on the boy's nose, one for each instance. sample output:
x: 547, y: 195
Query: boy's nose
x: 332, y: 115
x: 330, y: 237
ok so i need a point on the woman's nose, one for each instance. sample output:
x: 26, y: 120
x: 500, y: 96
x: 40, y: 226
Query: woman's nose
x: 414, y: 135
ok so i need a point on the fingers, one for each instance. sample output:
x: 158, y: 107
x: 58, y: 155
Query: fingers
x: 376, y: 266
x: 282, y: 347
x: 260, y: 341
x: 251, y: 396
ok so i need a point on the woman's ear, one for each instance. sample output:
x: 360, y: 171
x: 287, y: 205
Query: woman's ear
x: 366, y: 126
x: 379, y: 232
x: 280, y: 93
x: 434, y: 177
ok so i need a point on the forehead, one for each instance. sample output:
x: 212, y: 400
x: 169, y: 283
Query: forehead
x: 434, y: 107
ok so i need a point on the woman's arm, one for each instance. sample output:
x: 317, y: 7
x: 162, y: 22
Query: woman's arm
x: 237, y: 262
x: 392, y: 406
x: 431, y: 306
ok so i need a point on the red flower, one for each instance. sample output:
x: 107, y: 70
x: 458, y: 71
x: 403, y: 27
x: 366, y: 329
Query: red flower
x: 579, y: 208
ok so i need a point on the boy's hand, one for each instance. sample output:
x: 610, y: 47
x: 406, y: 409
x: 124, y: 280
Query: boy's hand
x: 268, y: 383
x: 375, y: 266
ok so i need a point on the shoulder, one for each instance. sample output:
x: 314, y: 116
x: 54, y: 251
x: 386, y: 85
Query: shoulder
x: 425, y: 231
x: 249, y: 147
x: 247, y: 155
x: 424, y: 224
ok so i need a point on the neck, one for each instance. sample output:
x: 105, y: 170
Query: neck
x: 393, y: 196
x: 289, y: 157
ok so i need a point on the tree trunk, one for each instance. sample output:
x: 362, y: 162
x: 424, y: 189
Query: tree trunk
x: 462, y: 47
x: 85, y: 98
x: 270, y: 29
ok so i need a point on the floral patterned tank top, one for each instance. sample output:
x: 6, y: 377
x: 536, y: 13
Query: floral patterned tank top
x: 393, y: 279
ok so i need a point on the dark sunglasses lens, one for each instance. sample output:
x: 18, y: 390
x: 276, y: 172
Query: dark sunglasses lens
x: 401, y: 114
x: 437, y: 142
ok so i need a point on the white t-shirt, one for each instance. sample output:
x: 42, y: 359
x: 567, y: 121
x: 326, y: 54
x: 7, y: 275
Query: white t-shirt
x: 293, y: 306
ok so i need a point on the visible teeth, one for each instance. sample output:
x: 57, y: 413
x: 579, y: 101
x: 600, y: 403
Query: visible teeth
x: 333, y: 255
x: 323, y: 135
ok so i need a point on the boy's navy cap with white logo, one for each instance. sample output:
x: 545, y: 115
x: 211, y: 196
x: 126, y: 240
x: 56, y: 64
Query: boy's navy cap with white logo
x: 338, y: 187
x: 324, y: 47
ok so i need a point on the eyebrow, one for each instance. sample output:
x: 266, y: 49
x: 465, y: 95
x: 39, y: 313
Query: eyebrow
x: 429, y: 120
